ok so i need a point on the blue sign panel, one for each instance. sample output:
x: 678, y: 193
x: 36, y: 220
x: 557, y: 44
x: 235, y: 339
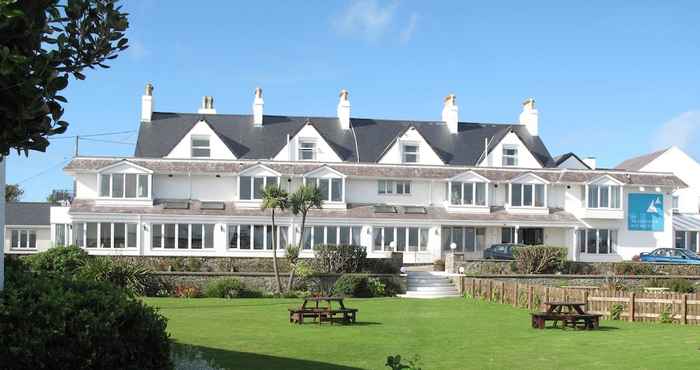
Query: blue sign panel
x: 645, y: 212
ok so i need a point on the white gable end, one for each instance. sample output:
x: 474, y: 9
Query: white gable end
x: 511, y: 140
x: 573, y: 164
x: 218, y: 150
x: 426, y: 154
x: 322, y: 151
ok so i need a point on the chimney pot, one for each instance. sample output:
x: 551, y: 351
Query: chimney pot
x: 529, y: 117
x: 258, y: 103
x: 207, y: 106
x: 450, y: 113
x: 343, y: 109
x: 147, y: 104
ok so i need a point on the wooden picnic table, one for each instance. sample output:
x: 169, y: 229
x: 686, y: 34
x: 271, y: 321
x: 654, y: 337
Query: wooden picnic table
x: 571, y: 314
x: 312, y: 308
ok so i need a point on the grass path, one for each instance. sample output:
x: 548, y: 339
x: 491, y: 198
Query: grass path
x: 446, y: 333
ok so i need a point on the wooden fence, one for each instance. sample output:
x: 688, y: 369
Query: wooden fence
x: 635, y: 306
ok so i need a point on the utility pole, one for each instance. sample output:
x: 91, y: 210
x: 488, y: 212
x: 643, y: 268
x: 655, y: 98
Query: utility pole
x: 77, y: 142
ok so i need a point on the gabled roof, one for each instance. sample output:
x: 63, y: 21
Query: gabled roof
x: 28, y: 213
x: 368, y: 137
x: 556, y: 161
x: 637, y: 163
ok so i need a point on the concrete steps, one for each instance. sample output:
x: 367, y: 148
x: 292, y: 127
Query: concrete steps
x: 425, y: 284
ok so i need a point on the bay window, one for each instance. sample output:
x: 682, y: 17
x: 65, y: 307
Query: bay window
x: 407, y: 239
x: 331, y: 188
x: 251, y: 187
x: 105, y: 234
x: 597, y: 241
x: 23, y: 239
x: 124, y: 185
x: 603, y: 196
x: 527, y: 195
x: 182, y: 236
x: 467, y: 193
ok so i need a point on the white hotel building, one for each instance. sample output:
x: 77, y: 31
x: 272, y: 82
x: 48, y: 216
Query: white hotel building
x: 193, y: 187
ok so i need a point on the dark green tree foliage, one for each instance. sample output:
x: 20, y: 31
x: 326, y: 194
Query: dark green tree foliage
x: 13, y: 193
x: 42, y: 44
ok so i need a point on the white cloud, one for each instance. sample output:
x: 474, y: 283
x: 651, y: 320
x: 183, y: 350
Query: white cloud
x: 372, y: 19
x: 407, y: 32
x: 682, y: 131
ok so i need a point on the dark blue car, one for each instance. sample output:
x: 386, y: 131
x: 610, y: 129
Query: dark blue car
x: 500, y: 251
x: 670, y: 255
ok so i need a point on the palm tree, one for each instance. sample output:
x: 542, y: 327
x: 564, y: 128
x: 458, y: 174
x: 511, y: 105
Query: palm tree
x: 274, y: 198
x: 301, y: 202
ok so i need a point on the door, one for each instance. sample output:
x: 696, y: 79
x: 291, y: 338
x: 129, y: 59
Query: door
x: 531, y: 236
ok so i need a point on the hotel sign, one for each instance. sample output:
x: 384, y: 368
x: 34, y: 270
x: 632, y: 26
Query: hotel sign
x: 645, y: 212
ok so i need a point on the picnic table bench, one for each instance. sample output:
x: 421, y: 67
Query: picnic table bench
x: 571, y: 314
x: 323, y: 313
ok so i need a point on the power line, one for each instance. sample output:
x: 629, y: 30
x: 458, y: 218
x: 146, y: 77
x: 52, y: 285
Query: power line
x: 93, y: 135
x: 108, y: 141
x: 64, y: 161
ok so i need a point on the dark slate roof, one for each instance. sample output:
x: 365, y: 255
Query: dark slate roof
x: 158, y: 137
x: 556, y: 161
x: 637, y: 163
x: 27, y: 213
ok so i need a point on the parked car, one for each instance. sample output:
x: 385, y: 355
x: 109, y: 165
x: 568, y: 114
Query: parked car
x: 500, y: 251
x: 670, y: 255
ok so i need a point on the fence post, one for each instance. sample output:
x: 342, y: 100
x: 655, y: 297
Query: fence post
x: 480, y: 289
x: 529, y: 297
x: 585, y: 301
x: 546, y: 294
x: 632, y: 295
x: 473, y: 284
x: 515, y: 295
x: 503, y: 292
x: 490, y: 290
x: 684, y: 309
x: 462, y: 288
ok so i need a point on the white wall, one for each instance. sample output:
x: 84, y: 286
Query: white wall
x: 687, y: 169
x: 201, y: 187
x: 219, y: 150
x: 366, y: 191
x: 324, y: 152
x: 525, y: 158
x: 85, y: 186
x: 572, y: 163
x: 426, y: 154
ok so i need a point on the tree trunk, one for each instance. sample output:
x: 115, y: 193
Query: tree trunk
x: 274, y: 254
x: 292, y: 266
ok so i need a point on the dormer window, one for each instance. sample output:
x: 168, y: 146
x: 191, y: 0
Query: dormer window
x: 603, y: 196
x: 527, y: 195
x: 510, y: 156
x: 467, y: 193
x: 200, y: 146
x: 251, y: 187
x: 409, y: 153
x: 307, y: 151
x: 124, y: 185
x: 331, y: 188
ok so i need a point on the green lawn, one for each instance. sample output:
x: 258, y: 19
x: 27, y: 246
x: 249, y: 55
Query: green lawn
x: 446, y: 333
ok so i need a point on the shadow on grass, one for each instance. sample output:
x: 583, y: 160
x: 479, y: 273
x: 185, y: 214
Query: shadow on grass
x: 245, y: 360
x: 600, y: 328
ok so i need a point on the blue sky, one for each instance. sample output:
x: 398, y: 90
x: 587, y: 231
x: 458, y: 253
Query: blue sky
x: 611, y: 79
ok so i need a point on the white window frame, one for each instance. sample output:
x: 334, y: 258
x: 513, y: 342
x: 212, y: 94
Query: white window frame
x: 675, y: 201
x: 509, y: 157
x: 598, y: 196
x: 330, y: 179
x: 66, y: 234
x: 386, y: 247
x: 200, y: 147
x: 149, y: 182
x: 252, y: 185
x: 176, y: 246
x: 266, y: 244
x: 391, y: 187
x: 462, y: 202
x: 404, y: 152
x: 27, y: 241
x: 98, y: 225
x: 302, y: 149
x: 583, y: 241
x: 311, y: 234
x: 522, y: 195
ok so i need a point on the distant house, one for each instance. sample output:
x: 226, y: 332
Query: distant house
x: 685, y: 201
x: 27, y: 227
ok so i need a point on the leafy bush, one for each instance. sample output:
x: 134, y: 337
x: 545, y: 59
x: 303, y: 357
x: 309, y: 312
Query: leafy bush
x: 633, y: 268
x: 51, y: 320
x: 376, y: 287
x: 187, y: 291
x: 134, y: 278
x: 666, y: 315
x: 64, y: 260
x: 675, y: 285
x: 228, y: 288
x: 616, y: 311
x: 352, y: 286
x: 394, y: 363
x: 539, y: 259
x: 339, y: 259
x: 439, y: 265
x: 189, y: 358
